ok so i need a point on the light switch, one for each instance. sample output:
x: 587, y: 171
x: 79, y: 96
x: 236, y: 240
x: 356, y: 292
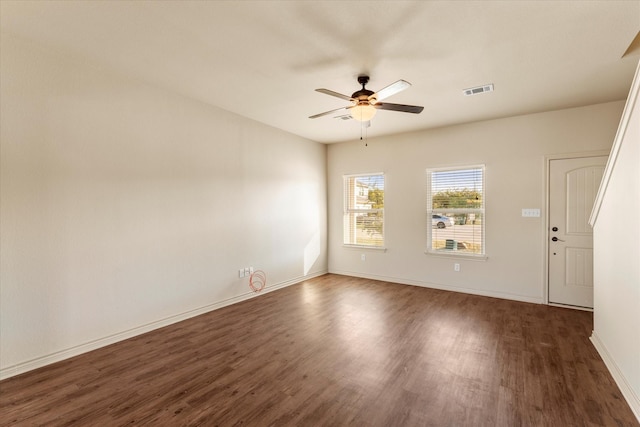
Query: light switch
x: 531, y: 213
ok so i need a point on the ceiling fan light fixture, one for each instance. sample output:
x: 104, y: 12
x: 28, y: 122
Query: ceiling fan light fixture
x: 363, y: 112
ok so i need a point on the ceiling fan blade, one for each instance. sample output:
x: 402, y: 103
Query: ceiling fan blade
x: 332, y: 93
x: 326, y: 113
x: 392, y: 89
x: 415, y: 109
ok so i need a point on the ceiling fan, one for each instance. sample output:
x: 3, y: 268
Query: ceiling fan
x: 366, y: 102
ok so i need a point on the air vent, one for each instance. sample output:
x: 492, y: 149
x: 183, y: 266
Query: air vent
x: 477, y: 90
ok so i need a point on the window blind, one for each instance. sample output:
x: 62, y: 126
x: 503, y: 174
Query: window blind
x: 456, y: 210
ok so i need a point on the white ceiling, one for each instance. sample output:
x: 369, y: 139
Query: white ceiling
x: 263, y: 59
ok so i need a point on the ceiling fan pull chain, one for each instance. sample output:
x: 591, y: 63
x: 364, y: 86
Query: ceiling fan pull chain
x: 363, y: 126
x: 366, y: 134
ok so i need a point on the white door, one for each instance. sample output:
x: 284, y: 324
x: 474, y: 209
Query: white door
x: 573, y: 184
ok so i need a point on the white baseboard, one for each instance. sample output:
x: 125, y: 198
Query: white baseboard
x: 630, y: 396
x: 492, y: 294
x: 58, y: 356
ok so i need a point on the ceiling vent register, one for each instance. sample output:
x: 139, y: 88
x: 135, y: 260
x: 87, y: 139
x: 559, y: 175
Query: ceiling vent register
x: 478, y: 90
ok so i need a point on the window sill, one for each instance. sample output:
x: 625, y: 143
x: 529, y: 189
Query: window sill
x: 454, y: 255
x: 361, y: 247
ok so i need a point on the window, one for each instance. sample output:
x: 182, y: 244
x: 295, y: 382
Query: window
x: 455, y: 211
x: 364, y: 210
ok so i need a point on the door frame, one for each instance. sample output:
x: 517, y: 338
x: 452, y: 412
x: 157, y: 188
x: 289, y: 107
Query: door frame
x: 545, y: 223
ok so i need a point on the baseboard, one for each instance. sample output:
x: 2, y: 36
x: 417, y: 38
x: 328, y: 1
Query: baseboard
x: 58, y: 356
x: 492, y: 294
x: 572, y: 307
x: 630, y: 396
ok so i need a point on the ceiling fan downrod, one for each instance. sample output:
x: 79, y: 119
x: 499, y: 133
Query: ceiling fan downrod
x: 363, y: 80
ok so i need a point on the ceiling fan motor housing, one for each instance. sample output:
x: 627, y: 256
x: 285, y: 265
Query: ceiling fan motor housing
x: 362, y: 94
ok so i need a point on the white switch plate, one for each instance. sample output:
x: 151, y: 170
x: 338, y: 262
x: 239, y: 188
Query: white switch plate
x: 531, y: 213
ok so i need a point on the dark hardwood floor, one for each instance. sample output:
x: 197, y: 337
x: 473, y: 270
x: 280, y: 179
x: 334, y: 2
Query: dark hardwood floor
x: 337, y: 351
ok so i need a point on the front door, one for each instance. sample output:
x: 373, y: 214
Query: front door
x: 573, y: 184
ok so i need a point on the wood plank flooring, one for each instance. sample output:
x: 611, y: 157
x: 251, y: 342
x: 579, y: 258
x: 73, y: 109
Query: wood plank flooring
x: 337, y: 351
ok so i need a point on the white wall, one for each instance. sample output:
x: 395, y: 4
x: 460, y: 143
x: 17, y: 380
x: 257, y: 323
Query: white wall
x: 616, y: 234
x: 513, y: 150
x: 125, y: 207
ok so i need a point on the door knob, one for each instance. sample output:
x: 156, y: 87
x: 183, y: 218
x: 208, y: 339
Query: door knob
x: 555, y: 239
x: 554, y: 229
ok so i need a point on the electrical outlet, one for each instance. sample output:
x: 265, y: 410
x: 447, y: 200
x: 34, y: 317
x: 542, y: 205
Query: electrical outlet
x: 247, y: 272
x: 250, y: 270
x: 456, y: 267
x: 241, y: 273
x: 363, y: 257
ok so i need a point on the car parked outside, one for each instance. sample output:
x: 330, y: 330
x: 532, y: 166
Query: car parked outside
x: 441, y: 221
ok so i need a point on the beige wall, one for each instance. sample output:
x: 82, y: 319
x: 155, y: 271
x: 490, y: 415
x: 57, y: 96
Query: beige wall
x: 124, y: 207
x: 616, y: 234
x: 513, y: 150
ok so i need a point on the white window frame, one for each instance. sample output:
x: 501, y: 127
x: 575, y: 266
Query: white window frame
x: 430, y: 211
x: 350, y: 209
